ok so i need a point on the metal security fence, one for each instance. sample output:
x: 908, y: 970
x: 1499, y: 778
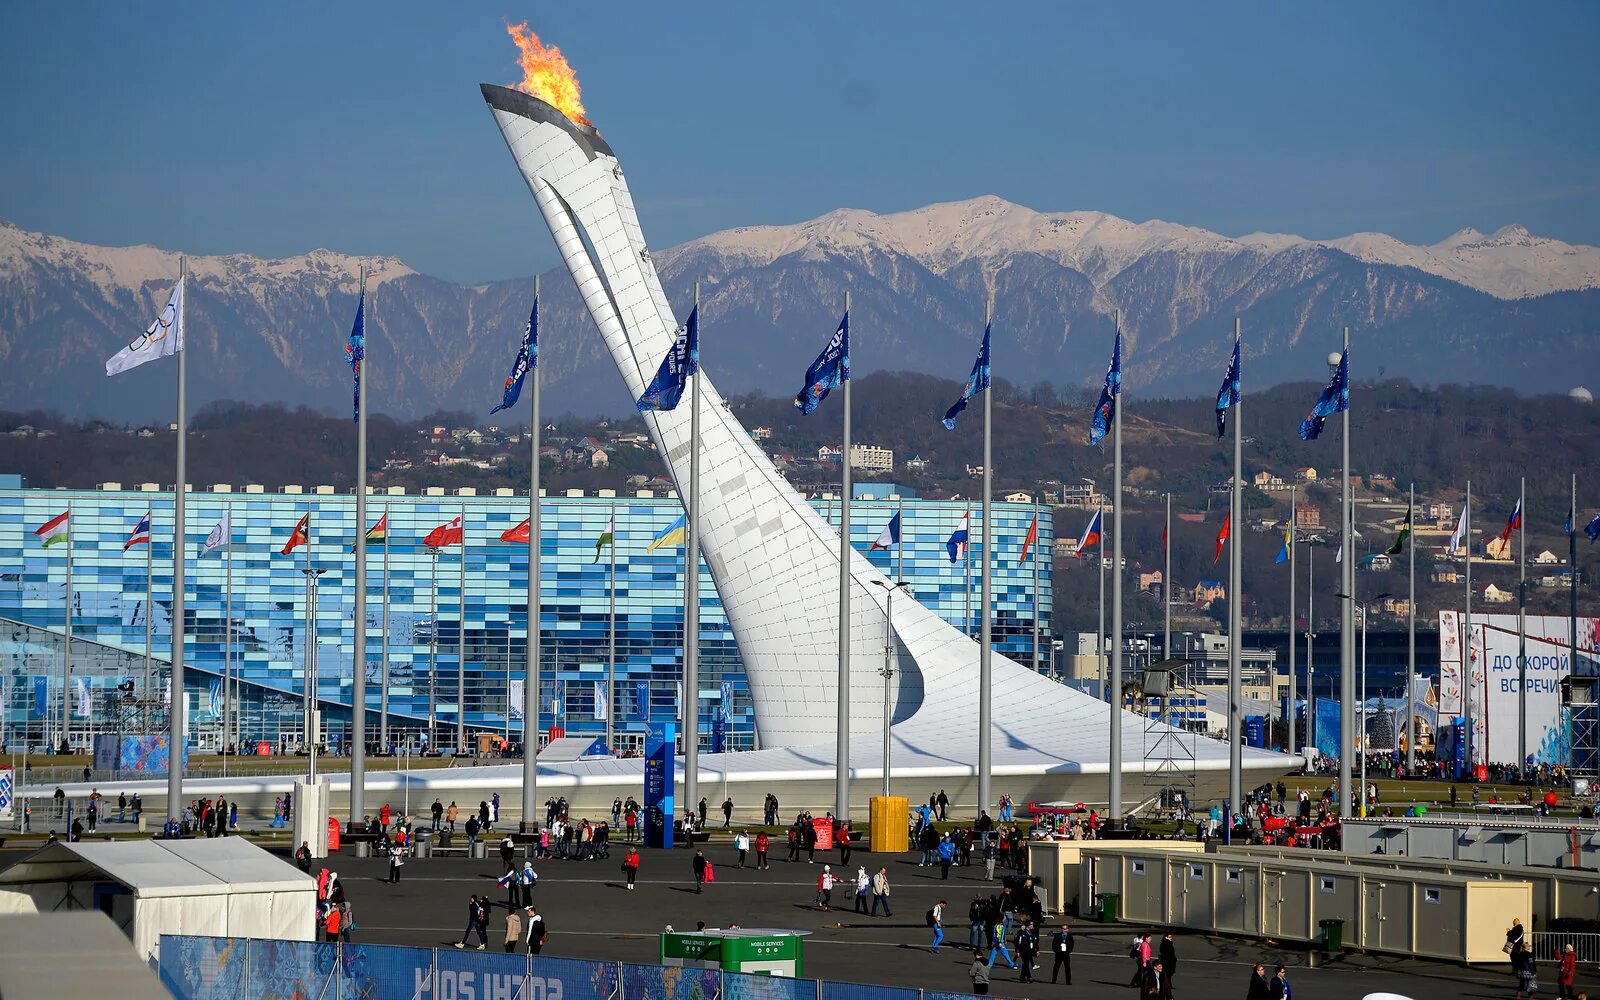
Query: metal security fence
x: 214, y: 968
x: 1548, y: 946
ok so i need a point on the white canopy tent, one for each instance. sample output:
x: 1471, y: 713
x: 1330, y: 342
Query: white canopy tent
x: 224, y: 887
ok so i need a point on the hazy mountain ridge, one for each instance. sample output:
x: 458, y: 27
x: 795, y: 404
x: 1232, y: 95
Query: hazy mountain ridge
x: 1496, y: 309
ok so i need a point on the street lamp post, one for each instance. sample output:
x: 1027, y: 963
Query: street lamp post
x: 887, y: 670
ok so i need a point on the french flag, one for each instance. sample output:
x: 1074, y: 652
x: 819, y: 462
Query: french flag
x: 1091, y: 534
x: 1513, y: 523
x: 889, y: 536
x: 957, y: 545
x: 141, y: 534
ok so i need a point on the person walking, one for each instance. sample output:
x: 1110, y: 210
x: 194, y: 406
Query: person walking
x: 347, y: 919
x: 698, y: 863
x: 997, y: 937
x: 727, y: 813
x: 330, y: 925
x: 1156, y: 986
x: 396, y: 860
x: 1140, y: 953
x: 630, y: 866
x: 943, y: 802
x: 975, y: 916
x: 1566, y: 973
x: 762, y: 843
x: 990, y: 853
x: 513, y: 929
x: 845, y: 841
x: 947, y: 856
x: 477, y: 923
x: 880, y: 892
x: 538, y: 933
x: 863, y: 890
x: 1280, y: 985
x: 741, y: 843
x: 936, y: 921
x: 1027, y: 951
x: 450, y: 816
x: 472, y: 827
x: 527, y: 878
x: 437, y: 811
x: 825, y: 888
x: 1061, y: 945
x: 1260, y: 985
x: 1168, y: 953
x: 979, y: 974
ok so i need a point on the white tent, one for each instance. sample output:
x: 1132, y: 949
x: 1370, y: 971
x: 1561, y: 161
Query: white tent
x: 226, y: 887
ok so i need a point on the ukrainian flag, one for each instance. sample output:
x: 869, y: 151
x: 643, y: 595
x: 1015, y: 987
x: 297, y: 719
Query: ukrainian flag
x: 672, y: 534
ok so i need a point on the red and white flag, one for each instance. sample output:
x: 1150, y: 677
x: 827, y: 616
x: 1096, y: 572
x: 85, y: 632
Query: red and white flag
x: 444, y: 534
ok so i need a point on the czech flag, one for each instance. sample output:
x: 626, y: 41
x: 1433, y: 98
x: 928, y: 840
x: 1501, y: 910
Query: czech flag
x: 957, y: 543
x: 141, y: 534
x: 300, y: 536
x: 1513, y: 523
x: 1091, y: 534
x: 889, y: 536
x: 444, y: 534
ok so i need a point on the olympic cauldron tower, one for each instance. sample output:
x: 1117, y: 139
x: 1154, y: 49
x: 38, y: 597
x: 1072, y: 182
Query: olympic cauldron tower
x: 775, y: 561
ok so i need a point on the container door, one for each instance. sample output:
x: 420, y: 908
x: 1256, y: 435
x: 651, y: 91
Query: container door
x: 1178, y: 892
x: 1272, y: 905
x: 1250, y: 901
x: 1230, y: 898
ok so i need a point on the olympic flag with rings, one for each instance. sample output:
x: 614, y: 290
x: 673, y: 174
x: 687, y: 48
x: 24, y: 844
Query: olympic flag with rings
x: 163, y: 339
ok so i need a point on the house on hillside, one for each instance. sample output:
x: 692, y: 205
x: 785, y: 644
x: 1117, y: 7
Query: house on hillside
x: 916, y: 464
x: 829, y: 454
x: 1267, y: 482
x: 1376, y: 562
x: 1307, y: 516
x: 1441, y: 514
x: 761, y: 433
x: 1065, y: 548
x: 1151, y: 583
x: 1546, y: 558
x: 1306, y: 475
x: 1397, y: 606
x: 1494, y: 595
x: 1497, y: 549
x: 1444, y: 573
x: 1207, y: 591
x: 1019, y: 497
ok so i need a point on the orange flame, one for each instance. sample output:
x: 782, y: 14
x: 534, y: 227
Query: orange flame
x: 546, y: 75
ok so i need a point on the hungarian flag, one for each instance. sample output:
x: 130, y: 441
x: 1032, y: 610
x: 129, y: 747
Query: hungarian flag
x: 141, y: 534
x: 55, y: 530
x: 1513, y: 523
x: 1030, y: 540
x: 1400, y: 540
x: 521, y: 533
x: 607, y: 537
x: 1222, y: 536
x: 444, y: 534
x: 300, y: 536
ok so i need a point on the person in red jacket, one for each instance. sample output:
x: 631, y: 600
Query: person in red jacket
x: 1566, y: 973
x: 762, y: 843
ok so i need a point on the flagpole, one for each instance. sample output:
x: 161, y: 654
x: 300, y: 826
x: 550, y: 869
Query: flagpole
x: 66, y: 656
x: 175, y: 735
x: 1468, y: 686
x: 1411, y: 633
x: 1115, y: 763
x: 530, y: 682
x: 899, y: 545
x: 227, y: 640
x: 1235, y: 600
x: 461, y: 643
x: 358, y: 681
x: 1572, y: 593
x: 433, y: 650
x: 311, y: 655
x: 1100, y: 636
x: 149, y: 598
x: 841, y: 764
x: 1522, y: 629
x: 1347, y: 623
x: 985, y: 623
x: 966, y: 572
x: 1166, y: 586
x: 1311, y: 635
x: 691, y: 588
x: 383, y: 673
x: 1035, y: 585
x: 1292, y: 743
x: 611, y: 638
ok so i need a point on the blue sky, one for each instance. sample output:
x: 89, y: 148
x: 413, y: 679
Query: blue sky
x: 277, y: 128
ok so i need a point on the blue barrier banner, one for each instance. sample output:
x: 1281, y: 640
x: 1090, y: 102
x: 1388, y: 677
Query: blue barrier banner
x: 292, y: 970
x: 1328, y: 727
x: 378, y: 972
x: 571, y: 979
x: 861, y: 991
x: 213, y: 968
x: 738, y: 986
x: 470, y: 975
x: 657, y: 982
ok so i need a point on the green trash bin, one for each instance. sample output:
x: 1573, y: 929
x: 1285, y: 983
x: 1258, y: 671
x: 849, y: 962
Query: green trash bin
x: 1108, y: 906
x: 1332, y: 934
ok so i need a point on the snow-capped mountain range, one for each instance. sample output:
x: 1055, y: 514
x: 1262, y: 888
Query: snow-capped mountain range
x: 1500, y: 309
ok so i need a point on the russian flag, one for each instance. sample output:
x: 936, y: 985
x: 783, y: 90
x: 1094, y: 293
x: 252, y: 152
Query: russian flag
x: 889, y: 536
x: 957, y: 545
x: 1513, y: 523
x: 141, y: 534
x: 1091, y: 534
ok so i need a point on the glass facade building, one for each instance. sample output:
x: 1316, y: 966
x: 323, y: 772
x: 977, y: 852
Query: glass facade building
x: 425, y: 633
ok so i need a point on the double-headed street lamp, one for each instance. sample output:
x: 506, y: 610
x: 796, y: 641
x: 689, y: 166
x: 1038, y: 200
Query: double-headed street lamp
x: 1366, y: 607
x: 887, y: 670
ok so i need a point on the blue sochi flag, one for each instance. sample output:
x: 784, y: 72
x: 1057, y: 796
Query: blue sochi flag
x: 1228, y: 395
x: 977, y: 382
x: 1593, y: 529
x: 1335, y: 398
x: 527, y: 357
x: 1105, y: 411
x: 682, y: 361
x: 829, y: 371
x: 356, y: 352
